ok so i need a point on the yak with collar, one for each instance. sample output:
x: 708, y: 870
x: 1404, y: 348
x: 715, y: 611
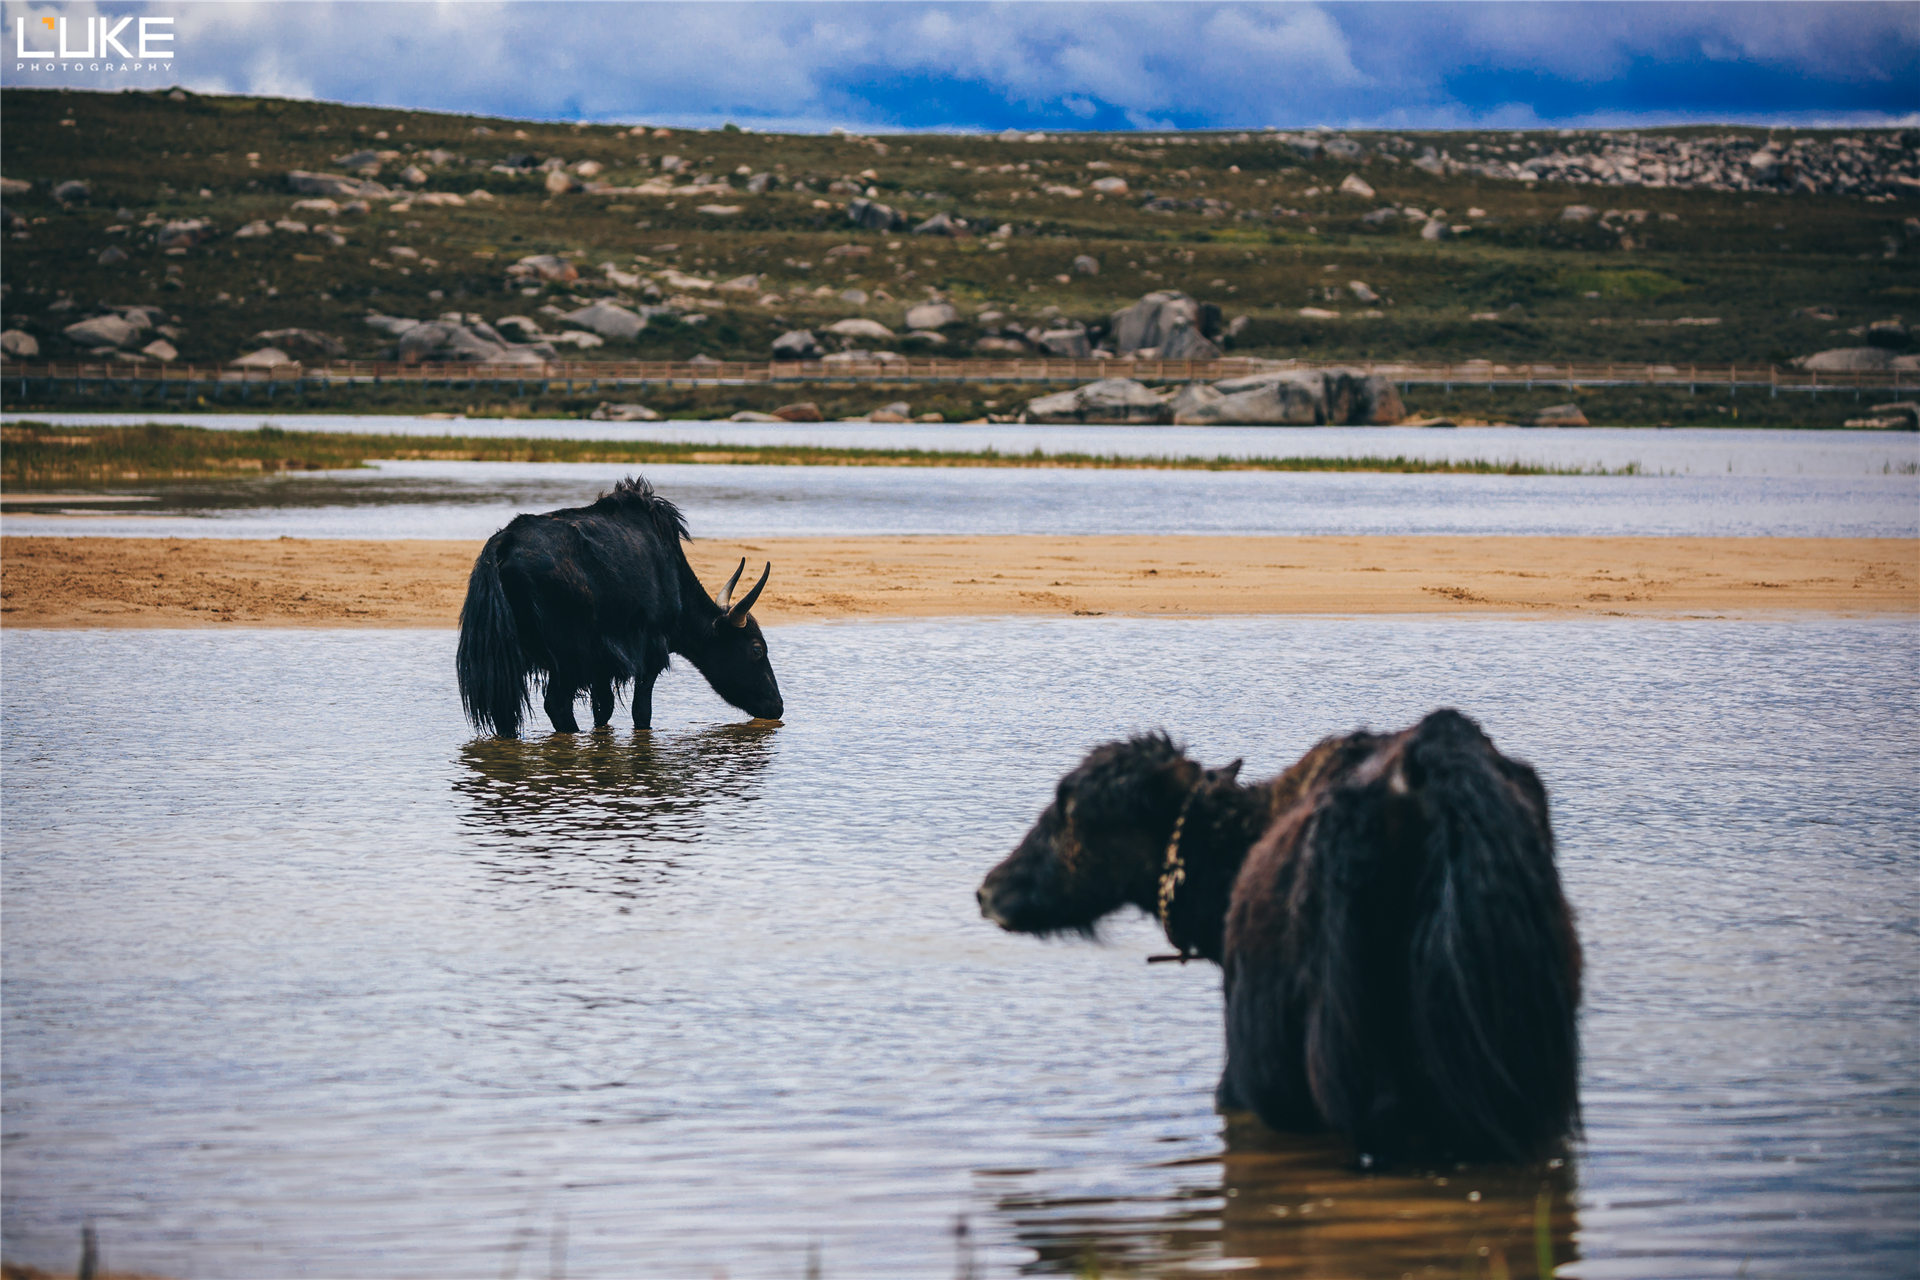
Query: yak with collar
x: 1399, y: 960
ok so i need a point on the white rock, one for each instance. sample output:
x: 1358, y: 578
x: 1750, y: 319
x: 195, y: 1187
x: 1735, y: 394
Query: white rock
x: 1116, y: 400
x: 1354, y: 185
x: 859, y: 327
x: 101, y: 331
x: 160, y: 349
x: 932, y: 315
x: 607, y: 320
x: 1110, y: 186
x: 19, y: 344
x: 264, y: 358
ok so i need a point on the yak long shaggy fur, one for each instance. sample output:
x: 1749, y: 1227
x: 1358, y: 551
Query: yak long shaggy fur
x: 1399, y: 960
x: 598, y: 597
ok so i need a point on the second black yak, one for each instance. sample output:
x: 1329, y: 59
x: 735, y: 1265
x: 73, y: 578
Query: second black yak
x: 595, y: 597
x: 1399, y: 961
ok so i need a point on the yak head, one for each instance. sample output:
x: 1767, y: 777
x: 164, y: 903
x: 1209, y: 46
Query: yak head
x: 731, y: 652
x: 1100, y: 845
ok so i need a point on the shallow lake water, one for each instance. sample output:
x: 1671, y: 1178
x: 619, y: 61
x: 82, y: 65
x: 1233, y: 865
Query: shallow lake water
x: 472, y: 499
x: 301, y: 979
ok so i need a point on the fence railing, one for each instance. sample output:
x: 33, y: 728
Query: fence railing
x: 576, y: 376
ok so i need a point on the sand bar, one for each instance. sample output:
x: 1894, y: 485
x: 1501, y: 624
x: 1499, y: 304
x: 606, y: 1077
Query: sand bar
x: 176, y: 582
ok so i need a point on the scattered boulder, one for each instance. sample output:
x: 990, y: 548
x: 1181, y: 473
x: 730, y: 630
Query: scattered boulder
x: 608, y: 412
x: 932, y: 315
x: 1380, y: 217
x: 1847, y: 360
x: 1436, y: 230
x: 19, y: 344
x: 1110, y: 400
x: 1821, y: 312
x: 1110, y: 186
x: 414, y: 176
x: 332, y: 184
x: 749, y: 415
x: 101, y: 331
x: 1354, y: 185
x: 1361, y: 293
x: 302, y: 342
x: 254, y: 229
x: 859, y: 327
x: 264, y: 358
x: 607, y: 319
x: 1901, y: 415
x: 1576, y: 213
x: 872, y: 216
x: 14, y: 186
x: 806, y: 411
x: 1068, y: 344
x: 1558, y: 415
x: 162, y: 350
x: 1086, y: 265
x: 796, y: 344
x: 993, y: 345
x: 545, y: 266
x: 72, y: 192
x: 941, y: 224
x: 183, y: 233
x: 112, y: 255
x: 359, y: 160
x: 858, y: 297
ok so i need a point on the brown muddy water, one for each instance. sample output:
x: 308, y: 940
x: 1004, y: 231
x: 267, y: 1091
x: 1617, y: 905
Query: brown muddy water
x: 302, y: 980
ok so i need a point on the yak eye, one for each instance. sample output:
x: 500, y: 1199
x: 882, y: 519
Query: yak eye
x: 759, y: 650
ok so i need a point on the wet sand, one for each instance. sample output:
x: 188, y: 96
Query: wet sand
x: 143, y: 582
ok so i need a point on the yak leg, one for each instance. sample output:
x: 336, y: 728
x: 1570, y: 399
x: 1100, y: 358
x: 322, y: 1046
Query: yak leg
x: 643, y: 697
x: 559, y: 703
x: 602, y: 689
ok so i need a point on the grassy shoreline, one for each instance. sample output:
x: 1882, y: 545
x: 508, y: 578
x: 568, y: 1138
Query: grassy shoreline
x: 39, y: 454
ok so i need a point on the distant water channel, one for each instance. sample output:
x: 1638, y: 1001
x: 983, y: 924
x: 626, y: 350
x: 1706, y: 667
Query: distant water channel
x: 472, y: 499
x: 1683, y: 451
x: 301, y: 979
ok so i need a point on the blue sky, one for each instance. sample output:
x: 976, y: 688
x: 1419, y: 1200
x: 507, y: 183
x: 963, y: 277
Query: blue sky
x: 898, y: 65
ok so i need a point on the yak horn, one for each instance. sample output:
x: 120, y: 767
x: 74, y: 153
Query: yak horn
x: 726, y: 592
x: 737, y: 615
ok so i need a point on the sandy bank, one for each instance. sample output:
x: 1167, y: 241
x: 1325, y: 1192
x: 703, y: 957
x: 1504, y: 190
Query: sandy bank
x: 139, y: 582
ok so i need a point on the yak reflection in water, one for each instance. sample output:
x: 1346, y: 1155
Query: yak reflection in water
x: 608, y: 810
x: 1287, y: 1205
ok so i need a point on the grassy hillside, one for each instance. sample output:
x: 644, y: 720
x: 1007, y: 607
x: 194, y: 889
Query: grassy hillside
x: 1559, y: 289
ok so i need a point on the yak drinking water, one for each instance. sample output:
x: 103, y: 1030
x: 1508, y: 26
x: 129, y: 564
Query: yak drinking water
x: 1399, y: 961
x: 593, y: 597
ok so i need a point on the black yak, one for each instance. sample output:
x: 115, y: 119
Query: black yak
x: 1399, y: 961
x: 593, y: 597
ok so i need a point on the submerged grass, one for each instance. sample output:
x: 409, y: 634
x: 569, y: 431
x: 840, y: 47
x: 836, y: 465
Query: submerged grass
x: 38, y: 454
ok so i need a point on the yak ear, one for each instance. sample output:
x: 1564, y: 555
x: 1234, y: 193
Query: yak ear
x: 1229, y: 773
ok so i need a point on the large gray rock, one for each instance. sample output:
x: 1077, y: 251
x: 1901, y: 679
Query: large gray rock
x: 1185, y: 343
x: 932, y: 315
x: 1338, y: 397
x: 607, y: 320
x: 72, y: 192
x: 102, y: 331
x: 1277, y: 399
x: 1847, y: 360
x: 305, y: 342
x: 1557, y: 415
x: 19, y: 344
x: 264, y: 358
x: 873, y: 216
x: 1151, y: 321
x: 1086, y: 265
x: 1110, y: 400
x: 796, y: 344
x: 439, y: 341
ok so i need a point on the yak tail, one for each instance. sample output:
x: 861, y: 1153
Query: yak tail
x: 493, y: 669
x: 1453, y: 996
